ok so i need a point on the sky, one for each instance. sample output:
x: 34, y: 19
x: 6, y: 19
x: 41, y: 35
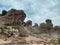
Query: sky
x: 36, y: 10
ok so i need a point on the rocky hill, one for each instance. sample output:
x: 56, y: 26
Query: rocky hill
x: 12, y: 25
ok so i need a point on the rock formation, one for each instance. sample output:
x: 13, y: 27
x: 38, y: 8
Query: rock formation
x: 49, y: 24
x: 29, y: 23
x: 13, y: 17
x: 4, y: 12
x: 35, y: 25
x: 43, y: 26
x: 57, y: 28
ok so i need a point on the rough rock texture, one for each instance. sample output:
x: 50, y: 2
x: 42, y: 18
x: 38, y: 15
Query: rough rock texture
x: 29, y: 23
x: 46, y: 26
x: 4, y: 12
x: 36, y: 25
x: 15, y: 26
x: 57, y: 28
x: 13, y: 17
x: 43, y: 26
x: 49, y: 24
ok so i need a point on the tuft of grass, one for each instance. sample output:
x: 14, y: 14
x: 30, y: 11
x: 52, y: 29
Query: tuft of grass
x: 59, y: 40
x: 2, y: 30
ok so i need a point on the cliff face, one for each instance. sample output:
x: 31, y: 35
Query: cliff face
x: 13, y: 17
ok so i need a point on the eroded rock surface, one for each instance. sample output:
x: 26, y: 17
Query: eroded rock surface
x: 13, y: 17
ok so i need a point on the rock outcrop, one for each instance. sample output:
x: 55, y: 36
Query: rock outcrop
x: 29, y: 23
x: 13, y: 17
x: 49, y: 24
x: 35, y: 25
x: 43, y: 26
x: 4, y: 12
x: 46, y: 27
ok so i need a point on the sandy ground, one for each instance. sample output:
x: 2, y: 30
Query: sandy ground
x: 30, y: 40
x: 3, y: 42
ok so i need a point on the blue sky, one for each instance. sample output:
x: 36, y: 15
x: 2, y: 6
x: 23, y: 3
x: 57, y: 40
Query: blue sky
x: 36, y: 10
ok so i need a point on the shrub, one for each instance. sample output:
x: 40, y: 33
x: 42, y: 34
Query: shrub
x: 58, y: 40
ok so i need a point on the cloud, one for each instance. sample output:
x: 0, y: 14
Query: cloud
x: 37, y: 10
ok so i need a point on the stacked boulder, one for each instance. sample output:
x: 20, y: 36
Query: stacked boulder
x: 49, y: 24
x: 28, y: 23
x: 14, y: 17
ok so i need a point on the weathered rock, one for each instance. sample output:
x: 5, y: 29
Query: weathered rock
x: 43, y: 26
x: 29, y: 23
x: 4, y: 12
x: 13, y: 17
x: 57, y: 28
x: 49, y: 24
x: 36, y: 25
x: 24, y: 32
x: 48, y: 21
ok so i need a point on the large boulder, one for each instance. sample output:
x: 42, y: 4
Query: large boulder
x: 35, y: 25
x: 28, y: 23
x: 49, y: 24
x: 43, y: 26
x: 13, y: 17
x: 4, y: 12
